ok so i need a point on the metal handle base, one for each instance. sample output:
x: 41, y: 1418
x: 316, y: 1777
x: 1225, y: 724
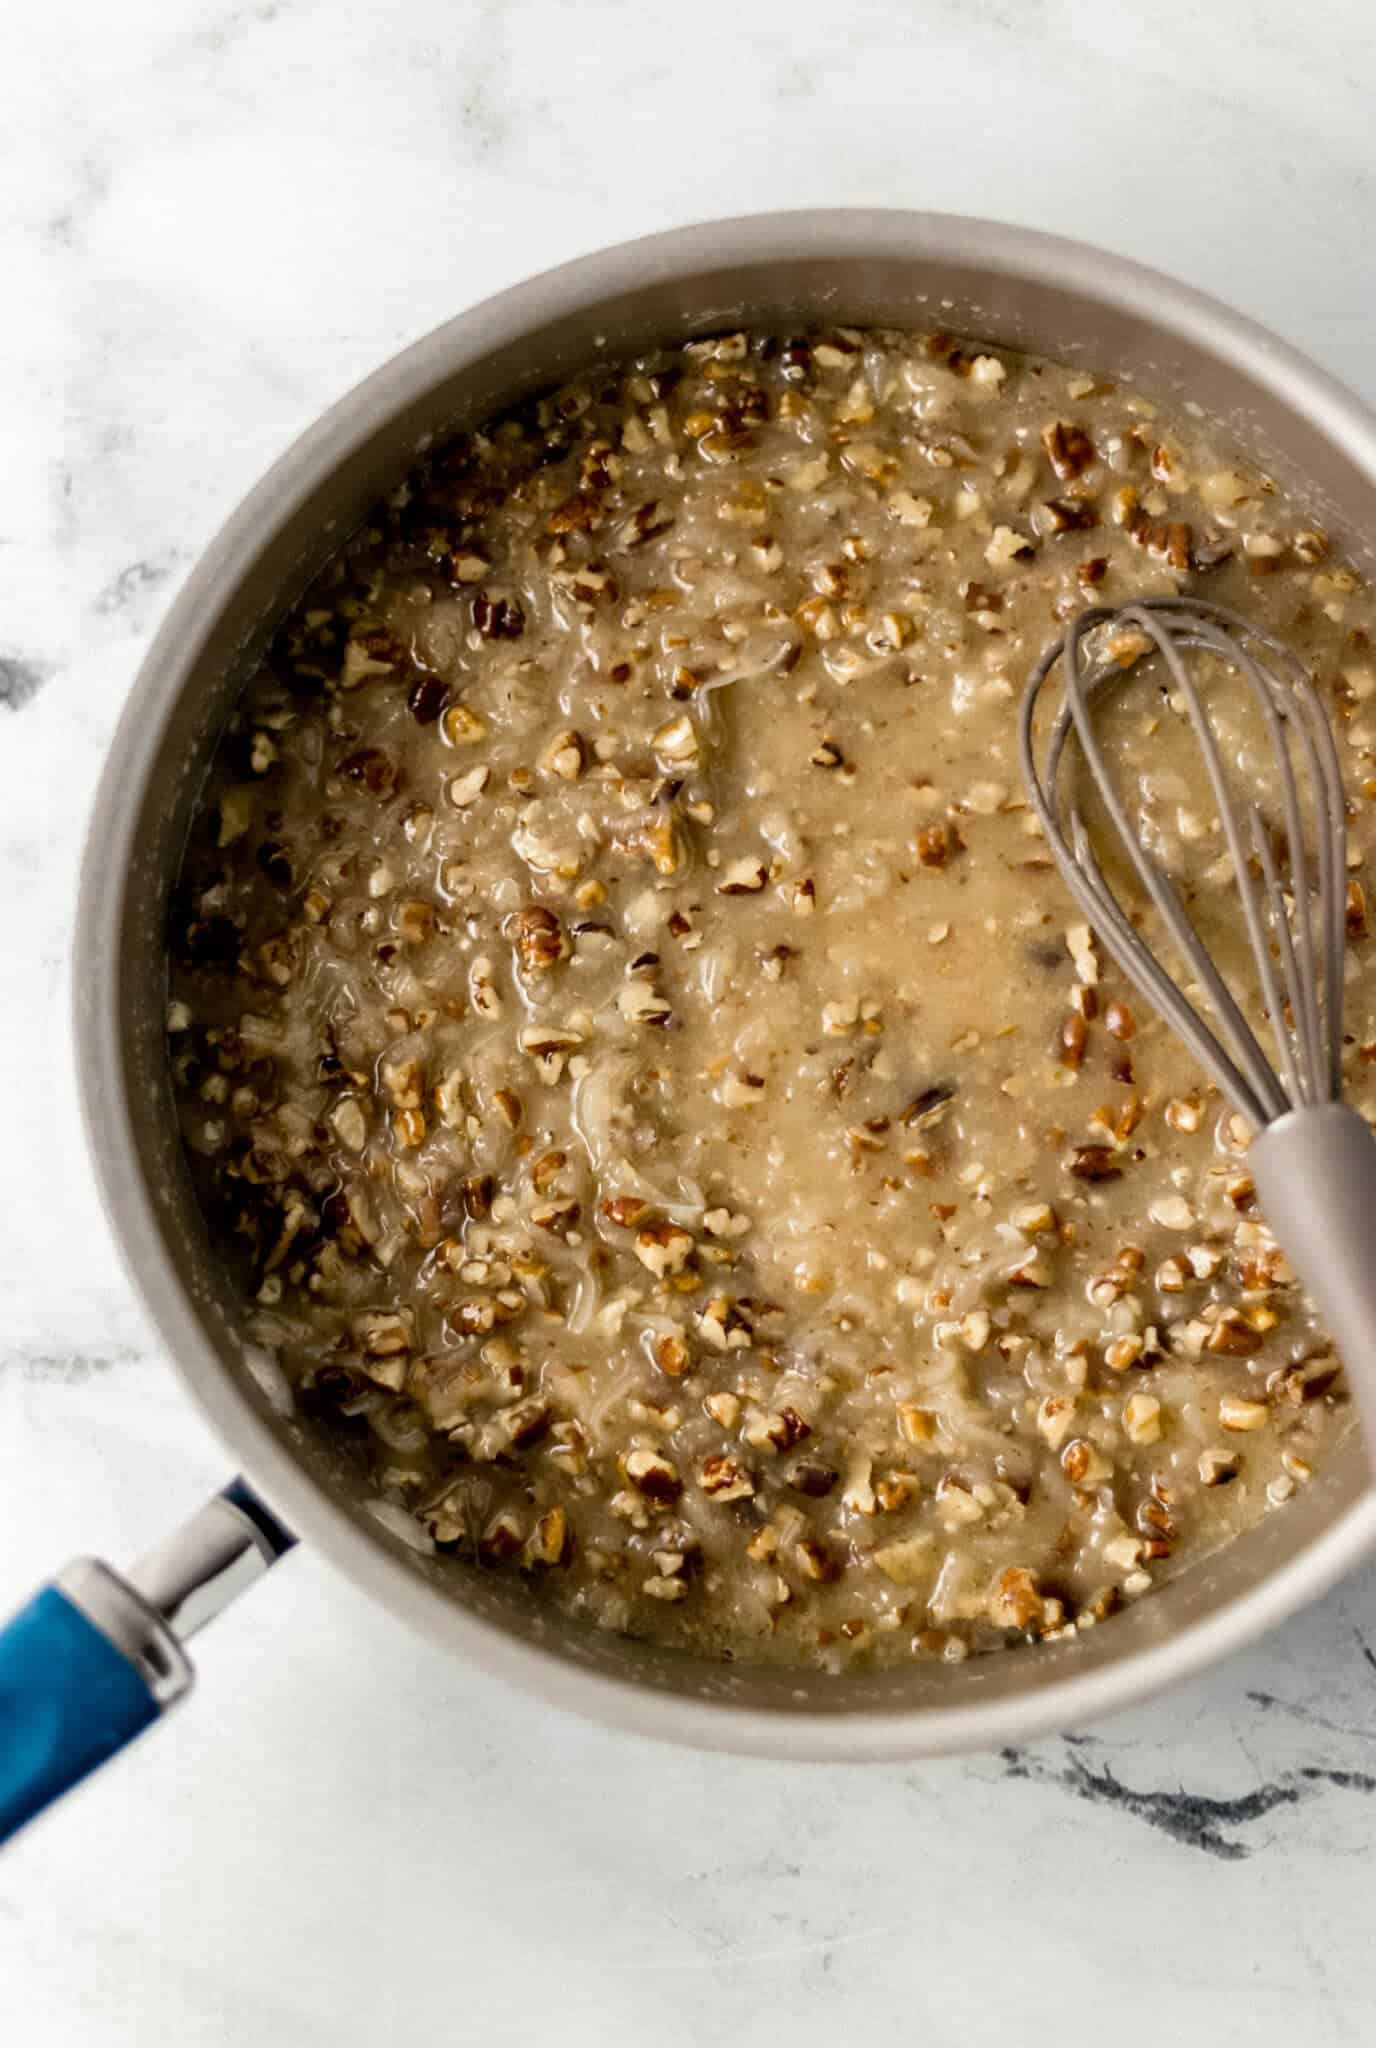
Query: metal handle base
x: 1315, y: 1175
x: 94, y: 1659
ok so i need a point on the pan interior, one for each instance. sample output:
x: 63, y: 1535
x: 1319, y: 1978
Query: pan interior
x: 866, y: 270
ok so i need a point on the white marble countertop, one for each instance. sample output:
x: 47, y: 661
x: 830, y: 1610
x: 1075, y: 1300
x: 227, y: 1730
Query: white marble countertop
x: 213, y: 219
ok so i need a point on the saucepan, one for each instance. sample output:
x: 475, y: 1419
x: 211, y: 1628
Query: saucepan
x: 116, y: 1643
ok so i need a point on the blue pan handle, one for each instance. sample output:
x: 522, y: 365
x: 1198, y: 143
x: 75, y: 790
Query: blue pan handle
x: 94, y: 1659
x: 68, y: 1699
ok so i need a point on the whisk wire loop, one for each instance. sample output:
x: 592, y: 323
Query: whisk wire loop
x: 1296, y: 1082
x: 1303, y: 1009
x: 1301, y: 985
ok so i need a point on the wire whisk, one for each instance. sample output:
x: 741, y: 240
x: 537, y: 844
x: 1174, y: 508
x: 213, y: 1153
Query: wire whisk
x: 1312, y: 1157
x: 1296, y: 926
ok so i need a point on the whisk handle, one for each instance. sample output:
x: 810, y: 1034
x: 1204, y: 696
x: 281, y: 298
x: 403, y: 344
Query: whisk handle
x: 1315, y: 1175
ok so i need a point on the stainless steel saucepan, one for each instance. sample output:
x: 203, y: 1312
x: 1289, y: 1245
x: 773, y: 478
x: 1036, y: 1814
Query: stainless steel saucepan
x: 785, y: 270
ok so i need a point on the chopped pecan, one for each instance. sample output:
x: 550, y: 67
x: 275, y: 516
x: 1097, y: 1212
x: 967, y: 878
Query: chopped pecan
x: 724, y: 1326
x: 1074, y: 1036
x: 1069, y: 449
x: 653, y: 1475
x: 663, y: 1248
x: 578, y: 514
x: 501, y: 1540
x: 784, y: 1430
x: 427, y: 698
x: 815, y: 1561
x: 1356, y: 911
x: 383, y: 1333
x: 937, y: 843
x: 1070, y: 515
x: 526, y: 1423
x: 539, y: 938
x: 1234, y: 1336
x: 1093, y: 1162
x: 374, y: 769
x: 811, y: 1477
x: 551, y: 1540
x: 1016, y: 1600
x: 1171, y: 541
x: 672, y: 1355
x: 928, y: 1105
x: 498, y: 618
x: 726, y: 1479
x: 546, y: 1170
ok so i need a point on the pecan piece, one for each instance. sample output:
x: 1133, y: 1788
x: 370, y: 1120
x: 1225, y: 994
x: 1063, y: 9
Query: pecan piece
x: 1356, y: 911
x: 526, y: 1423
x: 922, y: 1111
x: 551, y: 1540
x: 1070, y: 515
x: 672, y: 1355
x: 1234, y: 1336
x: 538, y: 937
x: 375, y: 770
x: 809, y: 1476
x: 1069, y: 449
x: 725, y: 1479
x: 1170, y: 541
x: 426, y: 698
x: 1093, y: 1162
x: 663, y: 1248
x: 498, y: 618
x: 578, y: 514
x: 936, y: 844
x: 1073, y: 1039
x: 815, y: 1561
x: 501, y: 1540
x: 654, y: 1476
x: 1015, y: 1600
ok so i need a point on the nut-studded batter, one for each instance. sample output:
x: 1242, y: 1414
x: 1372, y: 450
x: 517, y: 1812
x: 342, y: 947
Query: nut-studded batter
x: 626, y: 1023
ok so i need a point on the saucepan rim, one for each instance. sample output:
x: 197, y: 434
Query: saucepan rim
x: 110, y: 869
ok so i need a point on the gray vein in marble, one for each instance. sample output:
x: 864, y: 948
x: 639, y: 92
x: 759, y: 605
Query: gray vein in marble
x: 799, y: 82
x: 64, y: 504
x: 485, y: 124
x: 21, y: 679
x: 1196, y: 1820
x: 1025, y: 20
x: 91, y: 186
x: 67, y: 1368
x: 122, y: 594
x: 239, y: 22
x: 1270, y: 1703
x: 484, y: 110
x: 1345, y: 1781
